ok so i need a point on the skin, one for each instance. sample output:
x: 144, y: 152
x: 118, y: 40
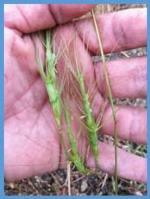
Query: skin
x: 31, y: 144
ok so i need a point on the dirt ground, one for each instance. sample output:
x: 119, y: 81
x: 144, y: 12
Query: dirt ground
x: 55, y: 183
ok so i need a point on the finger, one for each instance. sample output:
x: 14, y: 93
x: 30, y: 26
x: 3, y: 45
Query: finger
x: 127, y: 77
x: 29, y: 18
x: 130, y: 166
x: 119, y: 30
x: 131, y: 123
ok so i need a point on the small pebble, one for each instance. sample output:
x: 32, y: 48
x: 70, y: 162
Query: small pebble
x: 84, y: 186
x: 11, y: 185
x: 138, y: 193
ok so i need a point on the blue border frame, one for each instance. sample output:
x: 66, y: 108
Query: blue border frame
x: 1, y: 103
x: 2, y: 85
x: 148, y: 96
x: 74, y: 1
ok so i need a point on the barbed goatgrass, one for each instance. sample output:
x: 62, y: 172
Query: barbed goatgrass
x: 48, y: 74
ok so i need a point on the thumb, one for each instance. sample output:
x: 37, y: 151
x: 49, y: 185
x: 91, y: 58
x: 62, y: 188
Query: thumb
x: 29, y: 18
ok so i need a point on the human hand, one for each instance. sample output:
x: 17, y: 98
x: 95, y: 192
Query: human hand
x: 31, y: 140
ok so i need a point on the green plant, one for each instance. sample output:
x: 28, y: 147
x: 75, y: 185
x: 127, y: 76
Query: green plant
x: 48, y: 75
x: 74, y: 156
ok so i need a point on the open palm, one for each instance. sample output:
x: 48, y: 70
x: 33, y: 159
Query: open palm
x: 31, y: 140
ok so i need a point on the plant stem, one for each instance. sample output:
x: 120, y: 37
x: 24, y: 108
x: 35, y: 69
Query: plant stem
x: 109, y: 90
